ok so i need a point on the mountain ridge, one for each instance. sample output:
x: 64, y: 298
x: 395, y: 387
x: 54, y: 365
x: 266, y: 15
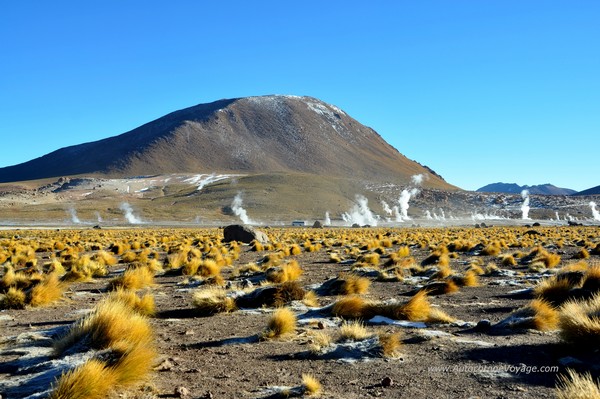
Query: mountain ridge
x: 271, y: 133
x: 513, y: 188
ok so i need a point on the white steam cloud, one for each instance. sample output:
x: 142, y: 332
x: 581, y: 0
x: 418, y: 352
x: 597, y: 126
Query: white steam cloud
x: 99, y: 217
x: 240, y: 212
x: 417, y: 180
x: 405, y: 197
x: 360, y: 213
x: 327, y: 221
x: 73, y: 214
x: 595, y: 212
x: 525, y: 206
x: 128, y: 212
x: 386, y: 208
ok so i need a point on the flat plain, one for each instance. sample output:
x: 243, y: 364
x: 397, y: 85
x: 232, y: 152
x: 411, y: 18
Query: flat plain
x: 376, y: 312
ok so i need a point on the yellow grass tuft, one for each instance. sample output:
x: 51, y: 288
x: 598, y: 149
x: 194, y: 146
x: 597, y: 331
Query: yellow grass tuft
x: 48, y: 291
x: 353, y: 284
x: 112, y: 321
x: 437, y: 315
x: 416, y: 309
x: 312, y: 386
x: 553, y: 290
x: 353, y: 331
x: 311, y: 299
x: 290, y: 271
x: 372, y: 258
x: 390, y: 344
x: 579, y: 322
x: 508, y: 260
x: 282, y: 322
x: 133, y: 279
x: 352, y: 307
x: 581, y: 254
x: 577, y: 386
x: 469, y: 279
x: 213, y: 300
x: 91, y: 380
x: 13, y: 299
x: 143, y: 305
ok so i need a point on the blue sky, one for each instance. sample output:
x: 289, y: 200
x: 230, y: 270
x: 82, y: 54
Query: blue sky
x: 480, y: 91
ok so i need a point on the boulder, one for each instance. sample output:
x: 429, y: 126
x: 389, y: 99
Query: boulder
x: 317, y: 225
x: 243, y: 233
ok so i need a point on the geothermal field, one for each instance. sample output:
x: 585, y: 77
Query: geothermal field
x: 333, y: 312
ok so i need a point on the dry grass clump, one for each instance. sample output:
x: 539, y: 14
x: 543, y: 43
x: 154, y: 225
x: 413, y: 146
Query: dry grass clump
x: 290, y: 271
x: 440, y: 287
x: 133, y: 279
x: 311, y: 386
x: 537, y: 315
x: 508, y: 260
x: 212, y: 300
x: 579, y: 322
x: 353, y: 331
x: 549, y: 259
x: 127, y: 339
x: 47, y: 291
x: 335, y: 257
x: 91, y: 380
x: 581, y: 254
x: 143, y: 305
x: 553, y: 290
x: 348, y: 284
x: 14, y: 298
x: 417, y: 308
x: 390, y: 344
x: 577, y: 386
x: 282, y: 322
x: 469, y: 279
x: 111, y: 322
x: 370, y: 258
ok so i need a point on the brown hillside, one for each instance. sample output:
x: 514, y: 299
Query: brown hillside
x: 248, y: 135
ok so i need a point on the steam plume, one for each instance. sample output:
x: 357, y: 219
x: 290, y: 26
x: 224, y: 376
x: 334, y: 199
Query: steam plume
x: 417, y: 180
x: 386, y: 208
x: 360, y: 213
x: 405, y: 197
x: 327, y: 221
x: 128, y: 212
x: 525, y: 206
x: 74, y: 217
x: 595, y: 211
x: 239, y: 211
x: 99, y: 217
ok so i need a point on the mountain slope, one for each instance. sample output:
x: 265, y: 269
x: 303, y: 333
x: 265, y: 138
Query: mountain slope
x: 246, y: 135
x: 590, y: 191
x: 512, y: 188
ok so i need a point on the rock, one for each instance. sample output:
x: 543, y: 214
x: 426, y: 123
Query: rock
x: 317, y: 225
x: 245, y: 234
x: 536, y: 224
x: 166, y: 365
x: 355, y: 225
x: 182, y: 392
x: 387, y: 382
x: 320, y: 325
x: 532, y: 232
x: 483, y: 325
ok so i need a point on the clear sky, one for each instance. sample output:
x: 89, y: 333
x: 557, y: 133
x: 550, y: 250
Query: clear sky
x: 480, y: 91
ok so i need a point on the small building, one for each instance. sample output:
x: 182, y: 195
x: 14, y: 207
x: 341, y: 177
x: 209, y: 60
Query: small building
x: 298, y: 223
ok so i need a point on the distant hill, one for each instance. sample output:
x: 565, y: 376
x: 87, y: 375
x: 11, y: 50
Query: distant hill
x: 267, y: 134
x: 590, y: 191
x: 512, y: 188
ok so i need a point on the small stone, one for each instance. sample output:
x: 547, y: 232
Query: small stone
x: 320, y: 325
x: 189, y: 332
x: 208, y: 395
x: 387, y: 382
x: 182, y: 392
x: 483, y: 325
x: 166, y: 365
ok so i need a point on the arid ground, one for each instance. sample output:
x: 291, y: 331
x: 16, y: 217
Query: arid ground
x: 459, y: 348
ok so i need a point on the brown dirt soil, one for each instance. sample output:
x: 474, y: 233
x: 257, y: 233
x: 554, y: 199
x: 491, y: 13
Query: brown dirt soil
x: 220, y: 357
